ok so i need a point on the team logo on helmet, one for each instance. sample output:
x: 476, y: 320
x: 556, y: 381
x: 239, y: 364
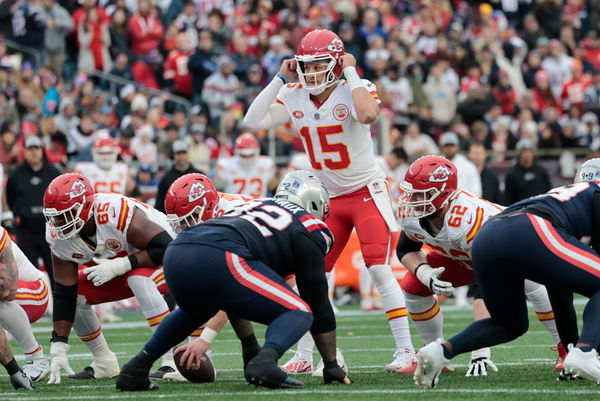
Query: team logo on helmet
x: 341, y: 112
x: 440, y: 174
x: 112, y: 244
x: 77, y: 189
x: 197, y: 191
x: 336, y: 45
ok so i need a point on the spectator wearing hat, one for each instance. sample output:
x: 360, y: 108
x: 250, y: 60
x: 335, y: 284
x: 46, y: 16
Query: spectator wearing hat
x: 147, y: 184
x: 123, y: 107
x: 253, y: 87
x: 146, y: 70
x: 58, y: 27
x: 220, y: 89
x: 181, y: 167
x: 166, y: 140
x: 531, y: 67
x: 202, y: 63
x: 66, y: 119
x: 542, y: 94
x: 24, y: 195
x: 526, y: 178
x: 81, y: 136
x: 145, y: 29
x: 145, y: 150
x: 468, y: 176
x: 198, y: 151
x: 278, y: 51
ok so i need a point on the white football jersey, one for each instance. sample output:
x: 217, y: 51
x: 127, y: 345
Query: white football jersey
x: 112, y: 214
x: 113, y: 180
x: 239, y: 180
x: 466, y: 214
x: 300, y: 161
x: 27, y: 272
x: 340, y: 148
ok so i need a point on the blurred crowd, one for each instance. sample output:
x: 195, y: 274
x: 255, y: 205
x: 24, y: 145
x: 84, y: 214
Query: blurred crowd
x: 494, y: 73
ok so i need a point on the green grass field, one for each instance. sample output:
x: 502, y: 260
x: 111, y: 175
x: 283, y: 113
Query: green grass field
x: 526, y: 367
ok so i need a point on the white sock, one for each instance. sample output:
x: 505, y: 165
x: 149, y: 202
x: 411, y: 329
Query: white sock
x: 427, y: 316
x: 460, y: 295
x: 330, y: 285
x: 365, y: 282
x: 393, y: 304
x: 153, y: 306
x: 14, y: 319
x: 88, y: 329
x: 538, y: 296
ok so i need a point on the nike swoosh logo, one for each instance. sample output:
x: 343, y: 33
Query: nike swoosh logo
x: 367, y: 199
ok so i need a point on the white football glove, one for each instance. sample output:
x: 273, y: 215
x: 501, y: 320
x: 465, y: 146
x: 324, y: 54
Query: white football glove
x: 480, y: 362
x: 430, y: 278
x: 58, y: 353
x: 107, y: 269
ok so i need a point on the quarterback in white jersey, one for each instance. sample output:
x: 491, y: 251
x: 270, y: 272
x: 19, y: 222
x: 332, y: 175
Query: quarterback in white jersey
x: 23, y: 300
x: 433, y: 211
x: 247, y: 172
x: 105, y: 173
x: 332, y: 116
x: 122, y: 241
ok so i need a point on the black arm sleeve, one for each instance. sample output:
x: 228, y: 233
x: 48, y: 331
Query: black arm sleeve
x: 157, y: 247
x: 406, y: 245
x: 312, y: 283
x: 65, y: 302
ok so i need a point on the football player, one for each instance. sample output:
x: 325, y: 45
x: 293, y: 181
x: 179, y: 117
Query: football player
x: 247, y: 172
x: 332, y: 116
x: 20, y: 308
x: 245, y: 255
x: 433, y: 211
x: 106, y: 174
x: 122, y: 241
x: 538, y: 239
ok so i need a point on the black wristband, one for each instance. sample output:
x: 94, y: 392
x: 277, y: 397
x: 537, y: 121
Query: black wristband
x: 418, y: 267
x: 133, y: 260
x: 12, y: 367
x: 58, y: 339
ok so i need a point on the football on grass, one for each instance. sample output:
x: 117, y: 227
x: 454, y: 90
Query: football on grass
x: 206, y: 373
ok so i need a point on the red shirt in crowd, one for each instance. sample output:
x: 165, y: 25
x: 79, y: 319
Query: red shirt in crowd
x: 145, y: 33
x: 176, y: 70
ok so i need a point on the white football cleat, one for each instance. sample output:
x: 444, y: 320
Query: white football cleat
x: 431, y: 362
x: 366, y: 303
x: 377, y: 303
x: 105, y: 367
x: 297, y: 365
x: 404, y: 362
x: 584, y: 364
x: 37, y: 369
x: 318, y: 372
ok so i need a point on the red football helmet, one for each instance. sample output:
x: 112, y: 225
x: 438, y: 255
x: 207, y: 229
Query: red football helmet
x: 247, y: 149
x: 319, y: 46
x: 67, y: 204
x: 105, y: 151
x: 190, y: 200
x: 428, y: 186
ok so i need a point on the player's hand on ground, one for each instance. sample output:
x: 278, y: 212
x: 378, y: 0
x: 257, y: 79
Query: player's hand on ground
x: 192, y: 353
x: 20, y: 380
x: 479, y: 366
x: 288, y: 68
x: 59, y: 361
x: 430, y: 277
x: 335, y: 373
x: 107, y: 269
x: 347, y: 60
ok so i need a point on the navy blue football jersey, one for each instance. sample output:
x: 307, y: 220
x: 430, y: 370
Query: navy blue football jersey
x: 571, y: 204
x: 261, y: 229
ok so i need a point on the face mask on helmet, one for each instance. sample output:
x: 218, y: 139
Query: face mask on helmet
x: 105, y: 158
x: 417, y: 203
x: 191, y: 219
x: 316, y: 82
x: 64, y: 224
x: 247, y: 150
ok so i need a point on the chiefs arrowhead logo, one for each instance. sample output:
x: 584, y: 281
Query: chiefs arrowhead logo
x: 77, y: 189
x: 440, y: 174
x: 336, y: 45
x: 197, y: 191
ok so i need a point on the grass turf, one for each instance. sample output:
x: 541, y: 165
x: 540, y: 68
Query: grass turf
x: 526, y: 367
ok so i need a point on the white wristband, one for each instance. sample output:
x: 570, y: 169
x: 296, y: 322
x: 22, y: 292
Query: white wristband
x: 208, y: 334
x: 8, y: 215
x: 353, y: 79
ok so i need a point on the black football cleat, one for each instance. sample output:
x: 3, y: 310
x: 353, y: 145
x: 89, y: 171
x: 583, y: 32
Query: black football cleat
x: 266, y: 373
x: 134, y: 378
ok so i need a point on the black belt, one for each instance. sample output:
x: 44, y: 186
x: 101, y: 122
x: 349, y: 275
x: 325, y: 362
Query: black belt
x: 532, y: 209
